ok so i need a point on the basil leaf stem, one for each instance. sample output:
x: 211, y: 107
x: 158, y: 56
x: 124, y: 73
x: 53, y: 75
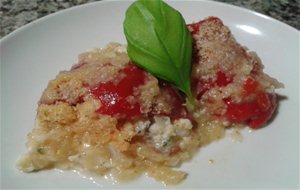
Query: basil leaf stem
x: 159, y: 42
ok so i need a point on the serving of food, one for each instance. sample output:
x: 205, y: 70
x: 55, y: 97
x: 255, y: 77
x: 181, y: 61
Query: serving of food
x: 149, y: 106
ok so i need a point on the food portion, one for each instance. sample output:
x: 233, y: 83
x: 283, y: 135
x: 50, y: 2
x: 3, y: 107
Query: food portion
x: 106, y: 115
x: 227, y: 79
x: 110, y: 117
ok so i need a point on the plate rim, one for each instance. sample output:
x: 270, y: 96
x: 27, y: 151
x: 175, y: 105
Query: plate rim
x: 11, y: 35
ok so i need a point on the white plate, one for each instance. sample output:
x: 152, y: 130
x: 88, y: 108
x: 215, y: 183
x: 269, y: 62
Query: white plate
x: 34, y: 54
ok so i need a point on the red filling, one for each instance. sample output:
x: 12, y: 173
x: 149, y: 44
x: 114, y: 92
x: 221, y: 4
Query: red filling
x: 255, y: 113
x: 250, y: 86
x: 223, y: 79
x: 205, y: 85
x: 117, y: 99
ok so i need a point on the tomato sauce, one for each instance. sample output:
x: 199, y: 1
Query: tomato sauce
x: 255, y: 113
x: 115, y: 98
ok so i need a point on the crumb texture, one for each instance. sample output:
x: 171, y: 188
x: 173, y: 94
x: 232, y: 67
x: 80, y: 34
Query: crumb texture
x: 84, y: 122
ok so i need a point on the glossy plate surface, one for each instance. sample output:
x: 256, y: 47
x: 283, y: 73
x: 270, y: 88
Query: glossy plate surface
x: 34, y: 54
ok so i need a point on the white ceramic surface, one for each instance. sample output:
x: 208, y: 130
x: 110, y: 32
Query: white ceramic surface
x: 34, y: 54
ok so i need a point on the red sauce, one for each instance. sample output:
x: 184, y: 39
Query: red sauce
x: 250, y: 86
x: 223, y: 79
x: 194, y: 27
x: 255, y: 113
x: 204, y: 85
x: 115, y: 97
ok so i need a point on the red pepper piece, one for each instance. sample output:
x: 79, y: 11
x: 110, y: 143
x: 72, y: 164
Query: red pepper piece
x: 255, y: 113
x: 204, y: 85
x: 250, y: 86
x: 223, y: 79
x: 241, y: 112
x: 264, y: 116
x: 115, y: 97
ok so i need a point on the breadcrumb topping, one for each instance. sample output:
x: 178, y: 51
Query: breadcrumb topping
x: 71, y: 133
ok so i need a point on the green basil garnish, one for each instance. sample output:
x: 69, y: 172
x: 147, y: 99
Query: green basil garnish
x: 159, y: 42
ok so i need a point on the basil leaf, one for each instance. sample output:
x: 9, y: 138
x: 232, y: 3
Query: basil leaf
x: 159, y: 42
